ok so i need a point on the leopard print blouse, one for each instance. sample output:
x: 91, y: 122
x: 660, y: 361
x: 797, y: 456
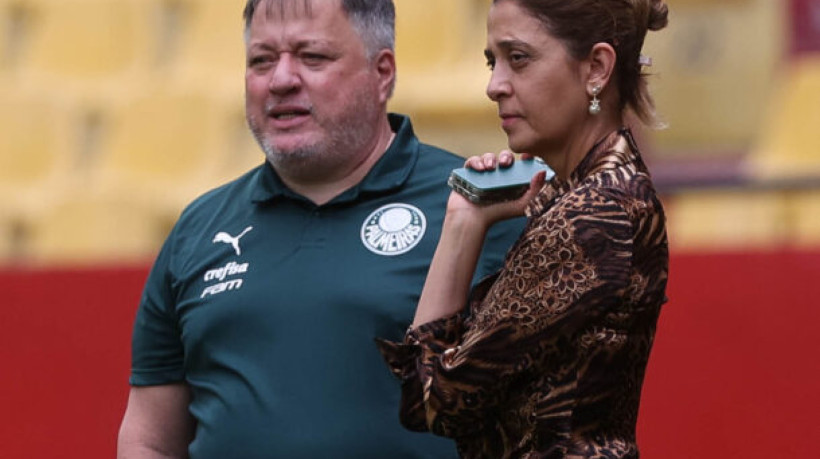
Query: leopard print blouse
x: 551, y: 360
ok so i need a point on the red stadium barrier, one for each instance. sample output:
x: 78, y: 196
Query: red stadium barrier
x: 732, y: 375
x: 735, y: 366
x: 805, y: 26
x: 64, y: 349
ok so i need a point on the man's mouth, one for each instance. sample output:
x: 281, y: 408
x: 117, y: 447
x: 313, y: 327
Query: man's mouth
x: 286, y: 116
x: 285, y: 113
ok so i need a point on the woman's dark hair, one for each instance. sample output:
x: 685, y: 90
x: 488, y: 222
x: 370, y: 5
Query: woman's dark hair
x: 580, y: 24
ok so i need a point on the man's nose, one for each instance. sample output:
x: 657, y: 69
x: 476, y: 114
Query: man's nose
x: 285, y: 75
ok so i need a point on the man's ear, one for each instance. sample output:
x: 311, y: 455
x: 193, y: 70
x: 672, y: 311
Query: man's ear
x: 600, y: 66
x: 385, y: 62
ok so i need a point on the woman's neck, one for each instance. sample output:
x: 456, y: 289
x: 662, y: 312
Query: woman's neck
x: 565, y: 158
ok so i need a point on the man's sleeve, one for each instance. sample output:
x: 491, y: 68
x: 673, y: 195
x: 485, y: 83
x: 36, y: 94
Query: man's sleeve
x: 156, y: 346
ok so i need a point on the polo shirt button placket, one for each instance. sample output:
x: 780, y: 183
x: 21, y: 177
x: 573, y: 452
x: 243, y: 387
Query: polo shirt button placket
x: 315, y: 235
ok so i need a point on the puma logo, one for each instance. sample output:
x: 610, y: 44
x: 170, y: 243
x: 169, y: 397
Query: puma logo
x: 233, y: 241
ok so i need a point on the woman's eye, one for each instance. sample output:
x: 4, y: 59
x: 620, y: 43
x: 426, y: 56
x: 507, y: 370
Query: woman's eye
x: 517, y: 57
x: 491, y: 64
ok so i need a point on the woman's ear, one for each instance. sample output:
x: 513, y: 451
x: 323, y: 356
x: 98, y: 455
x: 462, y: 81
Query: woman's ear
x: 601, y: 64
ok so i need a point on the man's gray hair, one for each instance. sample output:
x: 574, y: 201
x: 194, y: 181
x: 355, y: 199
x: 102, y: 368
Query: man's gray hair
x: 374, y: 20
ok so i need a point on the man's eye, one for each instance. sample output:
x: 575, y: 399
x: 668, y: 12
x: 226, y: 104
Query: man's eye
x: 312, y: 58
x: 491, y: 63
x: 259, y: 60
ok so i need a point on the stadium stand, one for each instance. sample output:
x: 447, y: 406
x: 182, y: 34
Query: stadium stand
x: 32, y: 154
x: 114, y: 113
x: 442, y: 74
x: 86, y: 226
x: 708, y: 219
x: 35, y: 160
x: 146, y: 98
x: 803, y: 217
x: 14, y: 21
x: 8, y: 242
x: 789, y: 145
x: 83, y: 40
x: 714, y: 67
x: 209, y: 49
x: 159, y: 146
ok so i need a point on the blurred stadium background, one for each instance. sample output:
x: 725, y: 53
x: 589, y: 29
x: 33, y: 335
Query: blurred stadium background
x: 116, y: 113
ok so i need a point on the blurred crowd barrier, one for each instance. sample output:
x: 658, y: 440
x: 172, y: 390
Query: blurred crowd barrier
x: 115, y: 113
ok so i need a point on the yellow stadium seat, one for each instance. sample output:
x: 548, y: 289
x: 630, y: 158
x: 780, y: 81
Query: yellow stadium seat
x: 8, y: 242
x: 439, y: 46
x: 242, y: 152
x: 442, y: 74
x: 726, y: 219
x: 210, y: 47
x: 161, y: 146
x: 804, y: 218
x: 27, y: 144
x: 435, y: 33
x: 789, y: 142
x: 714, y: 68
x: 84, y: 228
x: 34, y: 132
x: 82, y: 39
x: 14, y: 22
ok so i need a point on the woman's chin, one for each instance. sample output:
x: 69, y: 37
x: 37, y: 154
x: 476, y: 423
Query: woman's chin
x: 519, y: 146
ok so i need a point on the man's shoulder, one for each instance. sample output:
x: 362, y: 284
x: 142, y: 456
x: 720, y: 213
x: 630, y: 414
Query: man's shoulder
x: 434, y: 164
x: 433, y: 155
x: 236, y: 192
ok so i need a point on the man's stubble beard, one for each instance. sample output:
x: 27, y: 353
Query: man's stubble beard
x: 344, y: 141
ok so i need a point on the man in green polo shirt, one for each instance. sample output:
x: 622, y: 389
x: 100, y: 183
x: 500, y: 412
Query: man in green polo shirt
x: 255, y: 334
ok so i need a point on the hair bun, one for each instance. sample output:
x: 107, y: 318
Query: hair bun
x: 658, y: 15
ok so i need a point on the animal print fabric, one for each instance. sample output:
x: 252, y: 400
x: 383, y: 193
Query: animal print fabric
x: 550, y: 361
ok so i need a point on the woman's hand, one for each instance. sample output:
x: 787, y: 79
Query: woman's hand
x: 462, y: 236
x: 489, y: 161
x: 460, y: 207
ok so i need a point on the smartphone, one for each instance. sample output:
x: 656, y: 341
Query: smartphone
x: 499, y: 184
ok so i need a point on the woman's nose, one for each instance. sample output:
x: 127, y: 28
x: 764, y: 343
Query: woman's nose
x: 498, y: 86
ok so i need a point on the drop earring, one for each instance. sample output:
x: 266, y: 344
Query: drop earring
x: 595, y: 103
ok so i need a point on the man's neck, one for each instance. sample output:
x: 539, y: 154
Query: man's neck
x: 323, y: 191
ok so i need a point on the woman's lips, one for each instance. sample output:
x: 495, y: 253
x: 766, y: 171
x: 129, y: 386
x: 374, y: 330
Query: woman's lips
x: 509, y: 119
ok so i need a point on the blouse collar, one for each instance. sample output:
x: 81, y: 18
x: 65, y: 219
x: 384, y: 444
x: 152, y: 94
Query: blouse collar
x: 615, y: 150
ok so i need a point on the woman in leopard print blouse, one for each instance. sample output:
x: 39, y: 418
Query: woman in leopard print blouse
x: 550, y: 360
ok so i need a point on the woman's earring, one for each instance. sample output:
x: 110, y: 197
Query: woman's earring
x: 595, y: 104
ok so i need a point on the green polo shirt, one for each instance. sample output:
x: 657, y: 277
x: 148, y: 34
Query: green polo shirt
x: 268, y: 305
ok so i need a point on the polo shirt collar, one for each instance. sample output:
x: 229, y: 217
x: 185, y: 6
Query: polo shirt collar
x: 390, y: 172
